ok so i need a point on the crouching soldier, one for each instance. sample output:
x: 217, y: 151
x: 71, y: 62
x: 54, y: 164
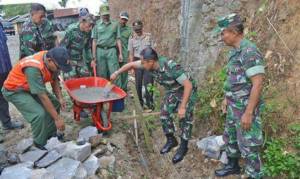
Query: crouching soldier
x: 180, y: 96
x: 25, y: 88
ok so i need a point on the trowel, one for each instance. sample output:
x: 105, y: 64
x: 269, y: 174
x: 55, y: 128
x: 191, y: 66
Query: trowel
x: 107, y: 89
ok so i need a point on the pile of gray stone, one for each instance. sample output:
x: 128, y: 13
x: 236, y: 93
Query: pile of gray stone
x: 61, y: 160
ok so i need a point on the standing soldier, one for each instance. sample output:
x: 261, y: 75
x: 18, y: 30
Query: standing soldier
x: 37, y: 33
x: 126, y: 32
x: 137, y: 44
x: 106, y: 37
x: 181, y: 95
x: 76, y: 41
x: 242, y: 103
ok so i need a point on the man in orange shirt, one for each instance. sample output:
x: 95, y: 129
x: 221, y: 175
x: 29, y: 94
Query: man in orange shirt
x: 25, y: 88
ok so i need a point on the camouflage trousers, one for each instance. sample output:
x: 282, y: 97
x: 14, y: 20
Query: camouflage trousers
x: 241, y: 142
x: 79, y: 69
x: 169, y: 109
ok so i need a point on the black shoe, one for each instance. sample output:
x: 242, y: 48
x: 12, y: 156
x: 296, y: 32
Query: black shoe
x: 232, y: 167
x: 84, y: 114
x: 181, y: 151
x: 13, y: 125
x: 171, y: 142
x: 41, y: 147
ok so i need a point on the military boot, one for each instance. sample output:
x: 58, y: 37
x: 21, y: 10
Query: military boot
x: 181, y: 151
x: 171, y: 142
x: 232, y: 167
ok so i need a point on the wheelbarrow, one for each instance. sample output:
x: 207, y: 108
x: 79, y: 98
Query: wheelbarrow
x: 101, y: 119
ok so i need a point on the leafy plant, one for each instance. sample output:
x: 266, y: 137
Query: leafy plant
x: 211, y: 96
x: 278, y: 162
x: 295, y: 130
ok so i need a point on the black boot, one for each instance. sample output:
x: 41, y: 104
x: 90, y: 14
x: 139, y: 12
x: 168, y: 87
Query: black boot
x: 181, y: 151
x: 171, y: 142
x: 232, y: 167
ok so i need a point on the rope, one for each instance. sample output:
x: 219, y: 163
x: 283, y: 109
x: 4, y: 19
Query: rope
x: 277, y: 33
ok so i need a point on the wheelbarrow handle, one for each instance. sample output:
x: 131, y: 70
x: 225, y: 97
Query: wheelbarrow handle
x: 94, y: 71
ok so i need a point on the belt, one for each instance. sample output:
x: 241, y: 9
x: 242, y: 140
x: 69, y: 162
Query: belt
x: 106, y: 48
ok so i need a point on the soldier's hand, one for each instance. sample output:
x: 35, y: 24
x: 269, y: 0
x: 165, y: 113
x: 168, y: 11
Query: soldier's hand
x: 224, y: 106
x: 114, y: 76
x: 60, y: 124
x: 181, y: 112
x: 246, y: 121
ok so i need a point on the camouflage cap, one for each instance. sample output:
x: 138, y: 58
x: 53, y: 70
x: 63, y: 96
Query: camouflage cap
x: 88, y: 18
x: 227, y: 21
x: 104, y: 9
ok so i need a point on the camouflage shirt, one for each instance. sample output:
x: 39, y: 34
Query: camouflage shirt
x: 76, y: 41
x: 35, y: 38
x: 244, y: 63
x: 171, y: 75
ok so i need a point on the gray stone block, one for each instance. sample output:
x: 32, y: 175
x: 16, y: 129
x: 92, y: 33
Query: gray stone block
x: 91, y: 165
x: 67, y: 168
x: 77, y: 152
x: 24, y: 145
x: 49, y: 159
x: 32, y: 156
x: 19, y: 171
x: 55, y: 144
x: 41, y: 174
x: 88, y: 132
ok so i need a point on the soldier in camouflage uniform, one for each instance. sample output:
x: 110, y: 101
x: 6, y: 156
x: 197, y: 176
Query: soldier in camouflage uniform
x: 37, y: 33
x: 76, y: 41
x: 180, y: 96
x: 243, y: 103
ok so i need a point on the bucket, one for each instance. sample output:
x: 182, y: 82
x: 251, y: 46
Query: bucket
x: 118, y: 105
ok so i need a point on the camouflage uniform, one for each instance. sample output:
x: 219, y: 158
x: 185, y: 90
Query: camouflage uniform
x: 35, y: 38
x: 171, y: 75
x: 243, y: 64
x: 77, y: 42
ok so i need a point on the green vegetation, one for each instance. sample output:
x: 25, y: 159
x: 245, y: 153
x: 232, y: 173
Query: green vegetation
x: 278, y: 162
x: 210, y: 97
x: 14, y: 9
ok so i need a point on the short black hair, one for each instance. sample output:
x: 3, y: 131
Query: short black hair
x: 37, y: 7
x: 149, y: 53
x: 239, y: 26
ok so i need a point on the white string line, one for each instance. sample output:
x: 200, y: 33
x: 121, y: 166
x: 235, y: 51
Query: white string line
x: 281, y: 38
